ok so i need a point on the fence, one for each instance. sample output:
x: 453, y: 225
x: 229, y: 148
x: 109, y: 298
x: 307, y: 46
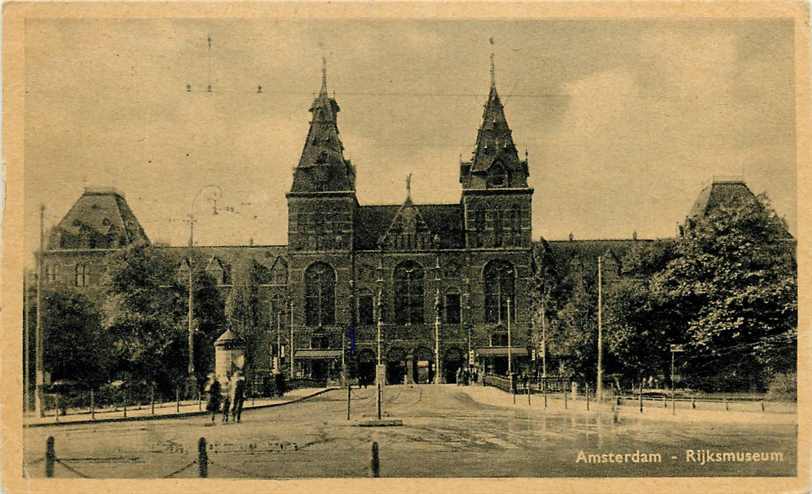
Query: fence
x: 202, y: 461
x: 656, y: 398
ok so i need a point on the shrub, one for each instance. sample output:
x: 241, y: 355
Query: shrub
x: 783, y: 387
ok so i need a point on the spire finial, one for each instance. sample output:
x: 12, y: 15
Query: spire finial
x: 493, y: 64
x: 409, y: 186
x: 324, y: 75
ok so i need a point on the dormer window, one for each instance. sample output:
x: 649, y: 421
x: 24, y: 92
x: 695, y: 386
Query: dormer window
x: 497, y: 176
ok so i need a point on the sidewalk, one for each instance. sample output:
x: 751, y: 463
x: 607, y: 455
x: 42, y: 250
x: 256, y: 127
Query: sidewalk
x: 488, y: 395
x: 162, y: 411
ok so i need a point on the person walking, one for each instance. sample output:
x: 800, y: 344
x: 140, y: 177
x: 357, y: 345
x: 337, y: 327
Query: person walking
x: 214, y: 391
x: 237, y: 397
x: 227, y: 385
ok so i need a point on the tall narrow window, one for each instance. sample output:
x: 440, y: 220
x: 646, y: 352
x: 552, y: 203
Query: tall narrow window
x: 277, y: 316
x: 279, y: 272
x: 409, y: 293
x: 81, y: 275
x: 52, y: 273
x: 320, y: 285
x: 497, y: 228
x: 499, y: 288
x: 516, y: 225
x: 479, y: 224
x: 452, y: 306
x: 366, y: 308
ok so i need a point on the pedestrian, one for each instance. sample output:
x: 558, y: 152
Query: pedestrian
x: 214, y: 391
x: 237, y: 397
x: 227, y: 384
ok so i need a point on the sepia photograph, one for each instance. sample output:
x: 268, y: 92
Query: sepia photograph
x: 407, y: 246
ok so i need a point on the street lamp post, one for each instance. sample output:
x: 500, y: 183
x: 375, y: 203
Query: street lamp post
x: 466, y: 309
x: 600, y: 331
x: 437, y: 309
x: 380, y: 368
x: 510, y: 351
x: 39, y: 393
x: 674, y: 349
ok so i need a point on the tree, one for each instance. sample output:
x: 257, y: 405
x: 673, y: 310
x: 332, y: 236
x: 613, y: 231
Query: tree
x: 76, y: 346
x: 147, y: 315
x: 574, y: 331
x: 734, y: 284
x: 144, y: 313
x: 243, y: 311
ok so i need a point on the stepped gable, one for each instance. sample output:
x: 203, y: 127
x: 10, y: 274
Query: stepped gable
x: 99, y: 219
x: 373, y: 223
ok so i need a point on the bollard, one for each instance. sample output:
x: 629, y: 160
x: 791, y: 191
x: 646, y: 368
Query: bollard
x: 565, y: 398
x: 199, y: 401
x: 587, y: 397
x: 92, y: 406
x: 726, y: 406
x: 349, y: 398
x: 528, y: 394
x: 544, y: 390
x: 202, y: 459
x: 125, y: 409
x: 152, y: 399
x: 641, y: 399
x: 56, y: 415
x: 50, y: 457
x: 693, y: 402
x: 665, y: 401
x: 177, y: 399
x: 762, y: 405
x: 375, y: 464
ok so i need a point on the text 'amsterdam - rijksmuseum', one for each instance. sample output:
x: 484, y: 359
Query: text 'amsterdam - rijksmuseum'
x: 465, y: 267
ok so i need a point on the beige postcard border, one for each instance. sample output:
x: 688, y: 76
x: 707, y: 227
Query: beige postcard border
x: 14, y: 16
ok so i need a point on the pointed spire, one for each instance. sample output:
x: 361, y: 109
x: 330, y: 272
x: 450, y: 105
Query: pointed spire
x: 323, y: 76
x: 409, y: 187
x: 493, y: 71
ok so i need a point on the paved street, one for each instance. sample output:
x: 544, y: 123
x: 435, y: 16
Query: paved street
x: 448, y: 431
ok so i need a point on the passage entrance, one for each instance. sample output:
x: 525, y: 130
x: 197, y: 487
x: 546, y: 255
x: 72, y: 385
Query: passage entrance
x: 423, y: 363
x: 452, y: 362
x: 395, y: 366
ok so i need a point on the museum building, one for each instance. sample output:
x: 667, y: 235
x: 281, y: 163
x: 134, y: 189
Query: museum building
x: 447, y: 284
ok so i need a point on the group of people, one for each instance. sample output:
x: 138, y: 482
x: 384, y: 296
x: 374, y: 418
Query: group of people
x: 231, y: 394
x: 466, y: 376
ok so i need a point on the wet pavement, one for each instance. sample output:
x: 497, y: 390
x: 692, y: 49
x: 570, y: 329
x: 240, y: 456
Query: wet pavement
x: 446, y: 433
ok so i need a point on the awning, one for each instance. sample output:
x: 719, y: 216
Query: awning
x: 501, y: 351
x: 316, y: 354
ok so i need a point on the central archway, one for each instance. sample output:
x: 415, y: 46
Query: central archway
x: 423, y: 362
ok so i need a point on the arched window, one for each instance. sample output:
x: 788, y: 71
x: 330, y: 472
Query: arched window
x: 499, y: 288
x: 409, y: 293
x: 366, y: 307
x: 320, y: 300
x: 81, y: 275
x: 452, y: 306
x: 279, y: 272
x: 219, y: 272
x: 497, y: 176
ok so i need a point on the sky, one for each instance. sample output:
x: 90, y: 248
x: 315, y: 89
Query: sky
x: 624, y: 121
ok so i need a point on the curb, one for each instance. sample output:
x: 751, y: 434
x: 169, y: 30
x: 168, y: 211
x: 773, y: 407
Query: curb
x: 173, y: 416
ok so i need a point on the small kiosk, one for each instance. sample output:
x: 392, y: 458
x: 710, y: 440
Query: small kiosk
x: 229, y: 355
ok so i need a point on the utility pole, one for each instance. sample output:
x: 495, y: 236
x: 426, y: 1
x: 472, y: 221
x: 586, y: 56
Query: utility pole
x: 600, y: 330
x: 291, y: 341
x: 39, y: 397
x: 192, y: 381
x: 437, y: 310
x: 26, y: 343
